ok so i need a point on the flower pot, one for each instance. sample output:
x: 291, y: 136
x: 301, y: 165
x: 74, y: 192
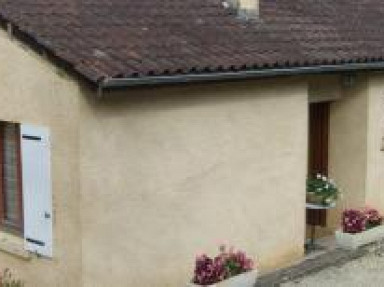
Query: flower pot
x: 354, y: 241
x: 247, y: 279
x: 319, y: 199
x: 314, y: 198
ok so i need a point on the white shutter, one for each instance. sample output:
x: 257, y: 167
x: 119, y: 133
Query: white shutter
x: 37, y: 195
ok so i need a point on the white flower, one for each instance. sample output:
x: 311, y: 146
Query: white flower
x: 327, y: 186
x: 324, y: 178
x: 318, y: 176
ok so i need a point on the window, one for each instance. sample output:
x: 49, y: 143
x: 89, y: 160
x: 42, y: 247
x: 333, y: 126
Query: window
x: 11, y: 206
x: 25, y: 185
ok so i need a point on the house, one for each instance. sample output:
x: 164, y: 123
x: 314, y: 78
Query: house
x: 137, y: 134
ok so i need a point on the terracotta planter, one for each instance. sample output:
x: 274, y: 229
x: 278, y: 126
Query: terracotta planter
x: 354, y: 241
x: 247, y: 279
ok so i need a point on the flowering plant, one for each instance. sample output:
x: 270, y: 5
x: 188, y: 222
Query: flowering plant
x: 356, y: 221
x: 6, y: 280
x: 374, y: 218
x: 321, y: 190
x: 227, y: 264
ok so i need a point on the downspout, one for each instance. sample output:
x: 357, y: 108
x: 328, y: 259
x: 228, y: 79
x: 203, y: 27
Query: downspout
x: 116, y: 83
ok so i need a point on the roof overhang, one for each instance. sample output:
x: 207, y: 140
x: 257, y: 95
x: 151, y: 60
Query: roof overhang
x: 116, y: 83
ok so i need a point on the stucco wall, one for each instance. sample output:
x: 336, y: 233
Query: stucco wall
x: 375, y: 156
x: 348, y: 147
x: 356, y: 159
x: 324, y: 88
x: 356, y: 143
x: 32, y: 91
x: 168, y: 173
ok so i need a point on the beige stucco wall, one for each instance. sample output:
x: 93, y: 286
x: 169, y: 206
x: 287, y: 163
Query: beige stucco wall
x: 375, y: 142
x: 324, y: 88
x: 348, y: 139
x: 348, y: 147
x: 350, y: 114
x: 356, y: 159
x: 164, y: 173
x: 32, y: 91
x: 168, y: 173
x: 356, y: 143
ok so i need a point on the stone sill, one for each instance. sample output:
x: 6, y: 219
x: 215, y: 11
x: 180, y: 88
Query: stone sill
x: 354, y: 241
x: 247, y: 279
x: 13, y: 245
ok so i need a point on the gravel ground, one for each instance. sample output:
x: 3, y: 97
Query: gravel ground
x: 367, y: 271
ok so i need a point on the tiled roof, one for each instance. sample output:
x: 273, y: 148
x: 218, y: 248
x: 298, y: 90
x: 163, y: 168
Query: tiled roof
x: 140, y: 38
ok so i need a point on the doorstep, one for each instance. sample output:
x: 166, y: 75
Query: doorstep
x: 315, y: 262
x: 320, y: 246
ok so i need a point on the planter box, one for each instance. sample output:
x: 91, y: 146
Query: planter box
x: 247, y: 279
x: 354, y: 241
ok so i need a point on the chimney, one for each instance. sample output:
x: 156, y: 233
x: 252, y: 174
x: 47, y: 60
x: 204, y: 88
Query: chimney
x: 246, y: 9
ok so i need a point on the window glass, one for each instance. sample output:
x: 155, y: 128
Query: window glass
x: 11, y: 193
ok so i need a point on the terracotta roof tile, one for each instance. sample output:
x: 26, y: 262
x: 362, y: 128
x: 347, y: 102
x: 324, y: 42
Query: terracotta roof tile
x: 130, y: 38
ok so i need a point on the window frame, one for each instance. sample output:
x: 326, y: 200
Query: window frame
x: 17, y: 227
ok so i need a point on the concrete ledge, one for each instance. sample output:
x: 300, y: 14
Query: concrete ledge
x: 354, y: 241
x: 14, y: 246
x: 313, y: 265
x: 247, y: 279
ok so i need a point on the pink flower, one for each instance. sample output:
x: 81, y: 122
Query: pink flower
x: 354, y: 221
x: 373, y: 216
x: 225, y: 265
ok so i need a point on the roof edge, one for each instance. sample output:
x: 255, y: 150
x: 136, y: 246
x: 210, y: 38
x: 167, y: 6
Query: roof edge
x: 30, y: 41
x: 115, y: 83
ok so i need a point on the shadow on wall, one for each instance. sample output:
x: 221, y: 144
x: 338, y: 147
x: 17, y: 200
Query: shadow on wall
x: 180, y: 96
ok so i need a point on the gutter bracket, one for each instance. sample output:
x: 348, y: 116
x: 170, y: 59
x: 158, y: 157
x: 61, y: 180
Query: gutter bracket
x: 10, y: 30
x: 100, y: 90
